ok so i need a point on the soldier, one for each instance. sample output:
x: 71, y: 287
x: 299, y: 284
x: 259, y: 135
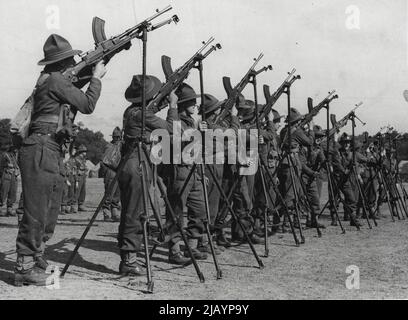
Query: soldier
x: 243, y: 193
x: 192, y: 199
x: 212, y: 108
x: 269, y: 153
x: 69, y: 194
x: 81, y: 174
x: 299, y: 139
x: 40, y: 157
x: 342, y: 161
x: 129, y: 179
x: 9, y: 177
x: 312, y: 158
x: 111, y: 207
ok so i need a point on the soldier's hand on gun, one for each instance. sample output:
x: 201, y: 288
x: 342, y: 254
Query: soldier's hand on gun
x: 202, y: 126
x: 173, y: 99
x: 99, y: 70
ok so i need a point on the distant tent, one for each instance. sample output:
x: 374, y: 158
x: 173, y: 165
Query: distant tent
x: 93, y: 169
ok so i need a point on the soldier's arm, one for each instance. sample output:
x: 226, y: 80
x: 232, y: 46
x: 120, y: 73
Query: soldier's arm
x: 300, y: 136
x: 65, y: 91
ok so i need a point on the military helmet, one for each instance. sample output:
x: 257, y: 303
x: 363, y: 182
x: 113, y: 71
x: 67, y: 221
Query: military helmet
x: 117, y: 133
x: 276, y: 116
x: 187, y: 97
x: 318, y: 131
x: 56, y: 49
x: 82, y: 148
x: 210, y: 104
x: 294, y: 116
x: 133, y: 93
x: 345, y: 138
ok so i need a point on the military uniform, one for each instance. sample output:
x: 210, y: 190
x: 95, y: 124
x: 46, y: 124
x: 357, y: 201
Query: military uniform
x: 130, y: 228
x: 81, y: 175
x: 9, y: 177
x: 111, y: 206
x: 69, y: 193
x: 40, y: 159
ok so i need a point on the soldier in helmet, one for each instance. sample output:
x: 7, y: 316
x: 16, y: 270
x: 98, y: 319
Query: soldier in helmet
x: 299, y: 139
x: 40, y: 157
x: 111, y: 207
x: 342, y: 161
x: 10, y: 172
x: 130, y: 228
x: 81, y: 174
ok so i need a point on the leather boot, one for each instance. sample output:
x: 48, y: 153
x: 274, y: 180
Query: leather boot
x: 106, y: 215
x: 221, y: 239
x: 67, y: 209
x: 74, y: 209
x: 129, y: 265
x: 26, y: 272
x: 63, y: 209
x: 204, y: 246
x: 10, y: 212
x: 82, y: 208
x: 198, y: 255
x: 115, y: 215
x: 176, y: 256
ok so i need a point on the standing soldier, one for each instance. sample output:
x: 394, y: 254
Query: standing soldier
x: 9, y: 177
x: 243, y: 193
x: 216, y: 160
x: 299, y: 139
x: 269, y: 153
x: 191, y: 200
x: 129, y: 179
x: 40, y: 157
x: 342, y: 165
x: 81, y: 173
x: 68, y: 200
x: 111, y: 206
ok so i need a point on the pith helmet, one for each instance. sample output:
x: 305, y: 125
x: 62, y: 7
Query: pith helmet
x: 57, y: 48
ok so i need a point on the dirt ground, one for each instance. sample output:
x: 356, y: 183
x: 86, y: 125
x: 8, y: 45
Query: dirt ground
x: 315, y: 270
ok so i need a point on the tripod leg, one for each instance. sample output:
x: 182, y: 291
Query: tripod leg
x: 260, y: 263
x: 144, y: 219
x: 362, y: 197
x: 387, y: 195
x: 207, y: 222
x: 180, y: 228
x: 265, y: 213
x: 95, y: 215
x: 283, y: 202
x: 302, y: 238
x: 332, y: 198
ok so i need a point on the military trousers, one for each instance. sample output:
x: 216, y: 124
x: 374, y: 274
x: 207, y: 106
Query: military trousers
x: 130, y: 235
x: 80, y: 190
x: 242, y: 205
x: 42, y: 170
x: 214, y: 195
x: 191, y: 202
x: 113, y: 198
x: 8, y: 189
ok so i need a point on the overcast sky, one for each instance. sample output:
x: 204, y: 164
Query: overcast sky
x: 358, y: 47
